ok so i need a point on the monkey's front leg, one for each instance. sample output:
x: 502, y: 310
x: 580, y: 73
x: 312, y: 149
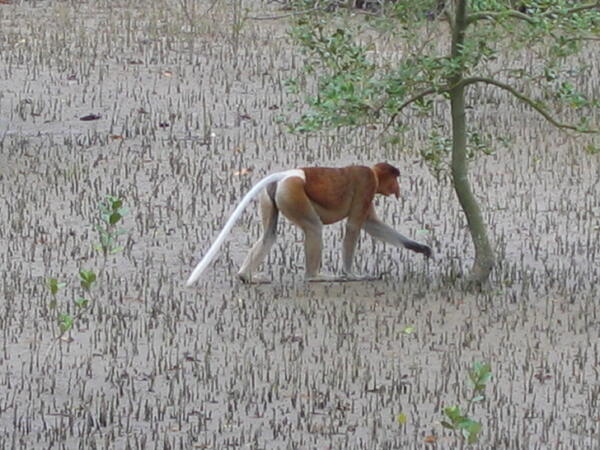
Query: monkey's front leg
x: 348, y: 250
x: 383, y: 232
x: 313, y: 246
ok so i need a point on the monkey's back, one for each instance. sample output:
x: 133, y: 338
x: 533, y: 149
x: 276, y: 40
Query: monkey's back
x: 334, y: 188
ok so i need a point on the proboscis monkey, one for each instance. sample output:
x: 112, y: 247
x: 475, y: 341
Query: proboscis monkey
x: 312, y: 197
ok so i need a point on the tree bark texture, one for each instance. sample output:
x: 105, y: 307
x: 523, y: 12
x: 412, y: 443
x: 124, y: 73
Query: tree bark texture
x: 484, y: 255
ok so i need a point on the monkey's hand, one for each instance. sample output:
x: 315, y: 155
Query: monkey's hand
x: 418, y: 247
x: 425, y: 249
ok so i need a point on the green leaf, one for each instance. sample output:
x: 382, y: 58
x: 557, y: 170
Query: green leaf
x: 87, y: 278
x: 479, y: 387
x: 453, y: 413
x: 114, y: 218
x: 81, y: 302
x: 448, y: 425
x: 65, y: 322
x: 54, y: 285
x: 471, y: 431
x: 592, y: 149
x: 485, y: 377
x: 409, y: 329
x: 116, y: 204
x: 101, y: 230
x: 480, y: 373
x: 465, y: 423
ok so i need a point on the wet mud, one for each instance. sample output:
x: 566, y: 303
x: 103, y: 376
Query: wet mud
x: 183, y: 110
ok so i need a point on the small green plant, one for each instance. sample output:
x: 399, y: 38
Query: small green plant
x: 459, y: 421
x: 66, y: 321
x: 592, y: 149
x: 54, y: 286
x: 111, y: 213
x: 86, y: 279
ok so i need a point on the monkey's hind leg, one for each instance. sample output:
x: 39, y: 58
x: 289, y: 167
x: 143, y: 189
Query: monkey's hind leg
x: 294, y: 204
x: 269, y: 216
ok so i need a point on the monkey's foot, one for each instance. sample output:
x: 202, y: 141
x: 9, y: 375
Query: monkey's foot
x: 353, y: 277
x: 345, y: 278
x: 321, y: 278
x: 248, y: 279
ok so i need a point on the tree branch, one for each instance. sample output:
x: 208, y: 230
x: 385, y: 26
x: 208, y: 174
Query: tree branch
x: 583, y: 7
x: 287, y: 15
x: 411, y: 100
x: 493, y: 15
x: 531, y: 19
x: 539, y: 109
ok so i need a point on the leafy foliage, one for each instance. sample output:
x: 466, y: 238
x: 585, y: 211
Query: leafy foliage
x: 347, y: 87
x: 440, y: 147
x: 54, y: 285
x: 479, y: 376
x: 111, y: 213
x: 66, y: 320
x: 86, y: 279
x: 355, y: 88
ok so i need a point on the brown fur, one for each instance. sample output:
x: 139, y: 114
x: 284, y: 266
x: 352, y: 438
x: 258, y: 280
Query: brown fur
x: 328, y: 195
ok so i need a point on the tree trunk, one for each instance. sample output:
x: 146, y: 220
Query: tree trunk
x: 484, y: 255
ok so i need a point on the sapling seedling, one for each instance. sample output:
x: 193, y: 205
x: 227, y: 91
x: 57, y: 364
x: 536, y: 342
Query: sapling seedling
x: 66, y: 320
x: 65, y: 323
x: 111, y: 213
x: 54, y: 286
x: 460, y: 421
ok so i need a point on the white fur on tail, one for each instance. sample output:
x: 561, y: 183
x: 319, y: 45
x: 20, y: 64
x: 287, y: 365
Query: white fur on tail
x: 213, y: 250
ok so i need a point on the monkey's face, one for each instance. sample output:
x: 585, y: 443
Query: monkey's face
x: 388, y: 185
x: 387, y: 177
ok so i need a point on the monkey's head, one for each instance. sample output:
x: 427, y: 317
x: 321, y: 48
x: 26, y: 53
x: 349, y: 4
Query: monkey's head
x: 387, y: 177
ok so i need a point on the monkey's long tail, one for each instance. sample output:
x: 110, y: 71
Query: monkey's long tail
x: 214, y: 248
